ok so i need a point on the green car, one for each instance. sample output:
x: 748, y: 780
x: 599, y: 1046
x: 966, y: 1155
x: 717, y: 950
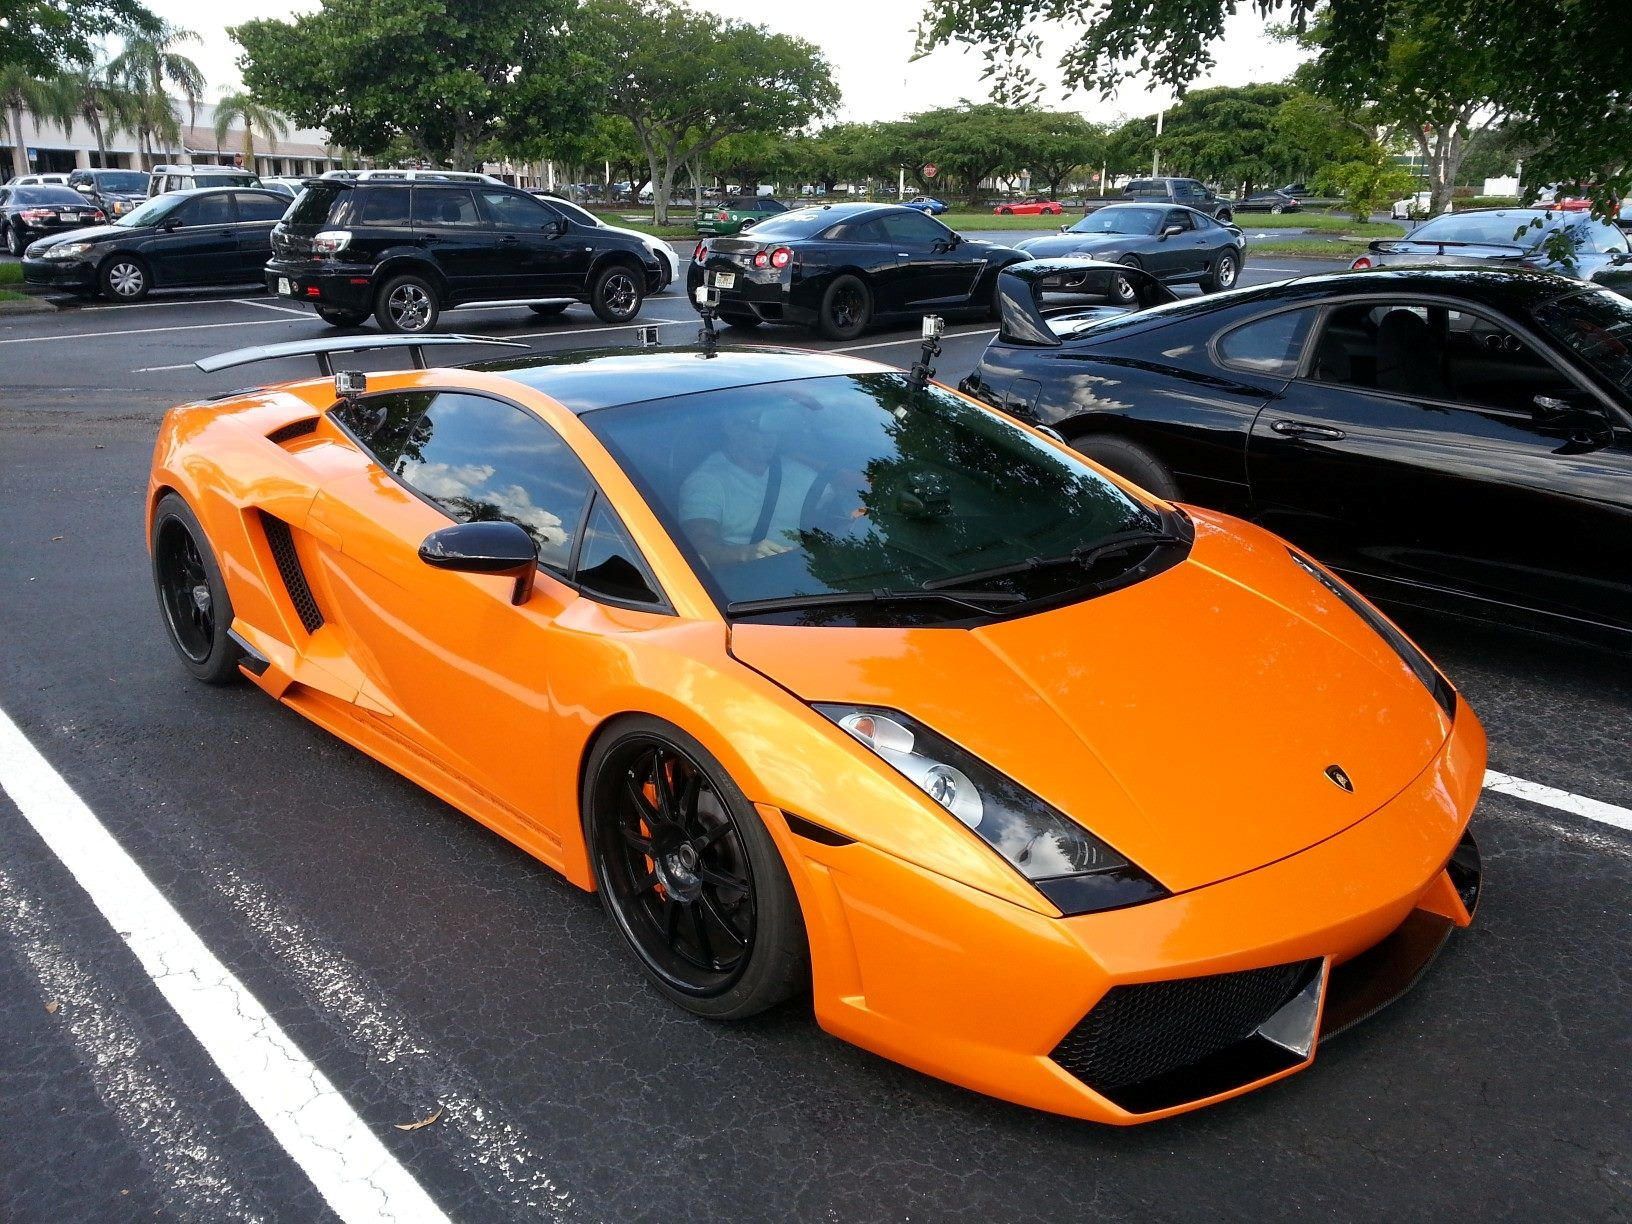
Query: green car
x: 733, y: 213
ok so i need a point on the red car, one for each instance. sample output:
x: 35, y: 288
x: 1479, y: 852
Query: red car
x: 1029, y: 207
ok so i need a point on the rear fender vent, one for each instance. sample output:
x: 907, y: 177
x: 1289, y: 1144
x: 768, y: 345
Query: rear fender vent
x: 282, y: 541
x: 285, y: 434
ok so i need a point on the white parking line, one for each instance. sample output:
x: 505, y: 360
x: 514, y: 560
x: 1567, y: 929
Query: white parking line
x: 315, y: 1125
x: 148, y: 331
x: 269, y: 306
x: 1564, y: 801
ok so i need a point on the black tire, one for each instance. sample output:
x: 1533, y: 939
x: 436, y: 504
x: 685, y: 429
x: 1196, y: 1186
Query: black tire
x: 407, y: 304
x: 1122, y: 292
x: 671, y: 905
x: 124, y: 278
x: 1277, y: 208
x: 1226, y: 270
x: 548, y: 310
x: 742, y: 322
x: 1005, y: 212
x: 618, y: 293
x: 1130, y: 461
x: 847, y: 308
x: 192, y: 597
x: 14, y: 242
x: 341, y: 318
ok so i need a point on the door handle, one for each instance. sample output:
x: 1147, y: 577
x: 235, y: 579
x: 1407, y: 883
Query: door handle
x: 509, y: 240
x: 427, y: 239
x: 1302, y: 429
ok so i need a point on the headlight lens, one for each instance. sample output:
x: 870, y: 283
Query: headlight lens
x: 1070, y: 866
x: 1413, y: 658
x: 67, y: 250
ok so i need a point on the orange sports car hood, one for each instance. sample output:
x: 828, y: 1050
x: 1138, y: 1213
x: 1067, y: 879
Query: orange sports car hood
x: 1188, y: 720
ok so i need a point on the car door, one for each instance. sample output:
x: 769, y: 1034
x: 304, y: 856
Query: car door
x: 452, y: 665
x: 450, y: 228
x: 863, y: 243
x: 196, y: 243
x: 1403, y: 455
x: 1174, y: 255
x: 258, y: 212
x: 930, y: 271
x: 536, y: 256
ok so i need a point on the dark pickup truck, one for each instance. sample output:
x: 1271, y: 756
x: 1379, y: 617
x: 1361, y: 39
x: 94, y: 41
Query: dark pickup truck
x: 1192, y: 193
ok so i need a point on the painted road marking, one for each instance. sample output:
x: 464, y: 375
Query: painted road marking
x: 315, y: 1125
x: 1564, y: 801
x: 305, y: 314
x: 148, y: 331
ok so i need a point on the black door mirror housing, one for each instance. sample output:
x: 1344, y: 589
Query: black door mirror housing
x: 500, y: 548
x: 555, y: 228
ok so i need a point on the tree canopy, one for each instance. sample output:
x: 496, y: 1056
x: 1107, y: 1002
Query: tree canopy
x: 41, y: 37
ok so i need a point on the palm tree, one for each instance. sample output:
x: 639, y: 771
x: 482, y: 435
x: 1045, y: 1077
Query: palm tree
x: 150, y: 62
x: 105, y: 106
x: 257, y: 120
x: 19, y: 92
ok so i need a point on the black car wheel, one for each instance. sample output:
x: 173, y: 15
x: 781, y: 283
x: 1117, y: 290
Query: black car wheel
x: 407, y: 303
x: 1222, y: 275
x: 1131, y: 462
x: 618, y: 293
x: 1005, y: 212
x: 1122, y: 291
x: 1277, y: 208
x: 847, y: 308
x: 1225, y: 216
x: 124, y: 278
x: 689, y: 874
x: 548, y: 309
x: 15, y: 242
x: 192, y: 596
x: 340, y: 318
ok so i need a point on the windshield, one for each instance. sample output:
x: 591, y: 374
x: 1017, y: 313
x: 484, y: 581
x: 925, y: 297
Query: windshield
x: 794, y: 225
x: 1496, y: 228
x: 854, y: 484
x: 130, y: 182
x: 1120, y: 221
x: 151, y: 212
x: 1596, y: 325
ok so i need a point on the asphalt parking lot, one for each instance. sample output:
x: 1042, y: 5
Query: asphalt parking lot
x: 424, y: 967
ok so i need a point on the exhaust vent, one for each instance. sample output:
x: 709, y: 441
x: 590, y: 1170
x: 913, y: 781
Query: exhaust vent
x: 285, y: 434
x: 282, y: 541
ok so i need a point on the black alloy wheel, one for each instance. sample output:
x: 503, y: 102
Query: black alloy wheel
x: 618, y: 293
x: 847, y: 308
x: 689, y: 875
x: 192, y: 595
x: 14, y: 241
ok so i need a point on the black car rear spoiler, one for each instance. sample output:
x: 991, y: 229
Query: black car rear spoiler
x: 324, y: 349
x: 1020, y: 288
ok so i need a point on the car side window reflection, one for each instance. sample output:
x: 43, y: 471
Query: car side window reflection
x: 479, y: 460
x: 1267, y: 346
x: 609, y: 564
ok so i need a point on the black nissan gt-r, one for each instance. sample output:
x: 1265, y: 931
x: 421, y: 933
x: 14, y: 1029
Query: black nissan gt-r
x: 1448, y: 437
x: 840, y: 267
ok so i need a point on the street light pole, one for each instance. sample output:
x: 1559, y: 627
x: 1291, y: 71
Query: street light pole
x: 1155, y: 151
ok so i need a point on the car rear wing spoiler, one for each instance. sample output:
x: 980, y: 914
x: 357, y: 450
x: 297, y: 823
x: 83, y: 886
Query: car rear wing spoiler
x: 1020, y: 288
x: 324, y: 350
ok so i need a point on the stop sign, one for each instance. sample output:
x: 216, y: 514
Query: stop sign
x: 930, y: 170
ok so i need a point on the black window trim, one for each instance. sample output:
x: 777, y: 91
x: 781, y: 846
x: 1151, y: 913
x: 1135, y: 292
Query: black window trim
x: 568, y: 579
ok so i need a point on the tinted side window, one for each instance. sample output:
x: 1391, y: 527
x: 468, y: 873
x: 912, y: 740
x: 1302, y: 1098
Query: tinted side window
x: 913, y: 228
x: 1267, y: 346
x: 609, y: 563
x: 1177, y: 217
x: 312, y: 207
x: 444, y: 206
x: 514, y: 211
x: 482, y: 460
x: 865, y: 230
x: 207, y: 210
x: 383, y: 206
x: 260, y: 207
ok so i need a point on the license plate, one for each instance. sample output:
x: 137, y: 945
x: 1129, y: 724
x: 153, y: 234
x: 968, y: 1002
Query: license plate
x: 285, y: 289
x: 73, y: 216
x: 724, y: 280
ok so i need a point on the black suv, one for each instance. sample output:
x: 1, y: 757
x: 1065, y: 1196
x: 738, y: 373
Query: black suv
x: 406, y: 251
x: 115, y: 192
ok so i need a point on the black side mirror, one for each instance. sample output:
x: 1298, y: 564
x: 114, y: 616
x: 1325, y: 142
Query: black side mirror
x: 171, y: 223
x: 554, y: 228
x: 1169, y: 230
x: 500, y: 548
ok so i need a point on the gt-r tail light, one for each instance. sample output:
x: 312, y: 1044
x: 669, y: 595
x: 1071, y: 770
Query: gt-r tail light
x: 781, y: 257
x: 1361, y: 264
x: 331, y: 242
x: 761, y: 259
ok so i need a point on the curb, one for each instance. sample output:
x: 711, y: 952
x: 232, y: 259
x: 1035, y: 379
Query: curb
x: 28, y: 306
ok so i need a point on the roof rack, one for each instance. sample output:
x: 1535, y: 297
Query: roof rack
x: 324, y: 349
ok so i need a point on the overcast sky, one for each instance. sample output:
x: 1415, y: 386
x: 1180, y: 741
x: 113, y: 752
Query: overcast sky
x: 867, y: 41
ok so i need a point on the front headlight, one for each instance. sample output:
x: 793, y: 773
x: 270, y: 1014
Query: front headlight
x: 1074, y: 869
x: 67, y: 250
x: 1413, y: 658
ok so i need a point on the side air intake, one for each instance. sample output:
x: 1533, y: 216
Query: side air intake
x: 285, y: 434
x: 282, y: 541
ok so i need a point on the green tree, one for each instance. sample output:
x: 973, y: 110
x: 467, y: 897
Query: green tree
x: 20, y: 91
x: 686, y: 80
x: 1057, y: 144
x: 94, y: 96
x: 147, y: 66
x: 1365, y: 182
x: 967, y: 144
x: 449, y: 77
x: 258, y: 120
x: 42, y: 37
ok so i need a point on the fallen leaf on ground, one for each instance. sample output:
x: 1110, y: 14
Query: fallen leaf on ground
x: 413, y: 1126
x: 51, y: 1007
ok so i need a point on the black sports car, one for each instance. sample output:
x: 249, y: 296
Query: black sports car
x: 30, y: 212
x: 1567, y: 241
x: 1457, y: 438
x: 1270, y: 202
x: 840, y: 267
x: 210, y: 236
x: 1176, y: 245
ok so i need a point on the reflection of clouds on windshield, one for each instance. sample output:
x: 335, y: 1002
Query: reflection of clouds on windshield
x: 443, y: 480
x: 465, y: 485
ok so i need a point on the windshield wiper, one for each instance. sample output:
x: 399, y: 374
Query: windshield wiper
x: 976, y: 601
x: 1084, y: 556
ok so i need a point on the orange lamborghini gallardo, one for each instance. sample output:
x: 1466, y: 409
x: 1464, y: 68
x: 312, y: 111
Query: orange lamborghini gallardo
x: 834, y: 683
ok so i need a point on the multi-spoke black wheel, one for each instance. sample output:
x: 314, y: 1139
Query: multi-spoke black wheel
x: 192, y: 596
x: 689, y: 874
x: 847, y: 308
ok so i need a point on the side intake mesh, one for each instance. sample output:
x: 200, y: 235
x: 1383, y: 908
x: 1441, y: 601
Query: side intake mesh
x: 1138, y: 1032
x: 294, y: 578
x: 285, y: 434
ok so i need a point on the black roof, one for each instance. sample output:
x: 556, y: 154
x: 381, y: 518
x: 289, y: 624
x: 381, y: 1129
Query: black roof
x: 1510, y: 288
x: 588, y: 379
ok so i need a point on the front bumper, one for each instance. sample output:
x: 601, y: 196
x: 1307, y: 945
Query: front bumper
x: 1009, y: 1002
x: 334, y: 287
x: 59, y: 273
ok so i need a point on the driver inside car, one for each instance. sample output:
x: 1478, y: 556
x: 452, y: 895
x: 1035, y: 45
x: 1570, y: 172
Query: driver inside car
x: 746, y: 500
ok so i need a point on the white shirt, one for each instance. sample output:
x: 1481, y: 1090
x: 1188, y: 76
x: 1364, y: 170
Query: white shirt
x: 721, y: 492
